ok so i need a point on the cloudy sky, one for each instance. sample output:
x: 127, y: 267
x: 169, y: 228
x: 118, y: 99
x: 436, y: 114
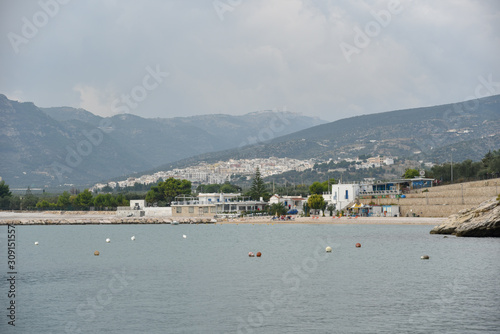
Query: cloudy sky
x: 167, y: 58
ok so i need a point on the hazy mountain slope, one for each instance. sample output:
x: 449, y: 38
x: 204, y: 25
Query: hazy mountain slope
x: 35, y: 149
x: 32, y: 143
x: 421, y: 133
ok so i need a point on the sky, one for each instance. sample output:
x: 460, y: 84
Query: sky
x: 171, y: 58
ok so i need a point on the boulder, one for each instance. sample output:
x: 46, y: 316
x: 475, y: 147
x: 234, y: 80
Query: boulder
x: 480, y: 221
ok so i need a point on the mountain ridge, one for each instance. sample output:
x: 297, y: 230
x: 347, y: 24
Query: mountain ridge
x: 37, y: 143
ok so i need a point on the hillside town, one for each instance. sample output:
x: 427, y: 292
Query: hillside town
x: 225, y: 171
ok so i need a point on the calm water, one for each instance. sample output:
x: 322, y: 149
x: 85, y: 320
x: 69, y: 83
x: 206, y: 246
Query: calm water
x: 206, y: 283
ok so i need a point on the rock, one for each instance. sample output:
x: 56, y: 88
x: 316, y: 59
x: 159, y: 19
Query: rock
x: 480, y: 221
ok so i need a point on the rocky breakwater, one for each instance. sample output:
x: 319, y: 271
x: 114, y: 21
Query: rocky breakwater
x: 480, y: 221
x: 101, y: 221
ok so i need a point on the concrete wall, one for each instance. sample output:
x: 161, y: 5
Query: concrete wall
x: 125, y: 211
x: 158, y: 212
x: 443, y: 201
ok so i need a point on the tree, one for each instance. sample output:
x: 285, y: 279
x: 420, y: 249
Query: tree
x: 316, y: 202
x: 278, y: 209
x: 15, y: 203
x: 229, y: 188
x: 410, y: 173
x: 327, y: 184
x: 63, y: 200
x: 306, y: 209
x: 331, y: 208
x: 5, y: 195
x: 100, y: 201
x: 43, y: 204
x: 168, y: 190
x: 84, y: 199
x: 29, y: 200
x: 316, y: 188
x: 258, y: 188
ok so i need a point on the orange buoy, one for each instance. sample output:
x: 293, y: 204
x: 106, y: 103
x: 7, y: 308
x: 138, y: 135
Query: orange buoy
x: 250, y: 254
x: 358, y: 245
x: 259, y: 254
x: 96, y: 253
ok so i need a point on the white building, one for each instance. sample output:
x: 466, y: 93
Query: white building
x: 343, y: 194
x: 291, y: 202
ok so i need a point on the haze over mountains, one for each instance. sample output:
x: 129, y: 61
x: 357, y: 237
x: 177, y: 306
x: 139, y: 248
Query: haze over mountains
x: 54, y: 146
x: 468, y: 129
x: 63, y: 145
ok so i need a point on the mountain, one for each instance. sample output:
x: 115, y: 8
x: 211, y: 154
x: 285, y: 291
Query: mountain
x: 64, y: 145
x: 467, y: 130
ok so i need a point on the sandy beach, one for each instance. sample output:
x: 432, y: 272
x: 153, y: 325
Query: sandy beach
x: 342, y: 220
x: 76, y: 218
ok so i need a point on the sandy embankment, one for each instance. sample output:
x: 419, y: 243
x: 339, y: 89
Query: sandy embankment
x: 343, y: 220
x: 70, y: 218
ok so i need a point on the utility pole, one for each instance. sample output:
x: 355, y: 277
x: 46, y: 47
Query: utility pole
x: 451, y: 166
x: 462, y: 193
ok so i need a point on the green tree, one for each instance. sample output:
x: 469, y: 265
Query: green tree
x: 154, y: 195
x: 63, y: 200
x: 29, y: 200
x: 331, y: 208
x: 278, y: 209
x: 84, y: 199
x: 327, y: 184
x: 168, y: 190
x: 15, y: 203
x: 410, y: 173
x: 44, y: 204
x: 100, y: 201
x: 306, y: 209
x: 258, y: 188
x: 5, y: 195
x: 229, y: 188
x: 316, y: 188
x: 316, y: 202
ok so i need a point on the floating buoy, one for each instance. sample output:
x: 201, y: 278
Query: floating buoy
x: 358, y: 245
x: 96, y: 253
x: 250, y: 254
x: 445, y: 236
x: 259, y: 254
x: 36, y: 243
x: 108, y: 240
x: 132, y: 238
x: 328, y: 249
x: 425, y: 257
x: 184, y: 236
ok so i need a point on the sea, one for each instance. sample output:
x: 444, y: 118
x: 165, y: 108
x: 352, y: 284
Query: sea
x: 200, y: 279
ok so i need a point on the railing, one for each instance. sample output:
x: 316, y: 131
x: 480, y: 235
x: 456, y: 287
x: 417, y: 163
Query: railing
x: 380, y: 192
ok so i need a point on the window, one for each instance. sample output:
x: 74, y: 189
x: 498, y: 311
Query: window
x: 212, y: 209
x: 205, y: 209
x: 347, y: 194
x: 191, y: 209
x: 178, y: 209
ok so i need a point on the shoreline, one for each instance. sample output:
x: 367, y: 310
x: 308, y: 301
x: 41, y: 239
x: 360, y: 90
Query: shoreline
x: 105, y: 218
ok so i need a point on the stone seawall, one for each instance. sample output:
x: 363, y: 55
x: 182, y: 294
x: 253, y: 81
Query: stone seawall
x: 101, y: 221
x: 442, y: 201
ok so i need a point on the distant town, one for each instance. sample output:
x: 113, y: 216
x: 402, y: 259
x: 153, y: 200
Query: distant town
x: 225, y: 171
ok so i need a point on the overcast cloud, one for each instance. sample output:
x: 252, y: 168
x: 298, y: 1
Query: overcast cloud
x: 239, y: 56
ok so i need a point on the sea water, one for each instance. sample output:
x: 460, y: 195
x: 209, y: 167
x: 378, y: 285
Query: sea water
x: 205, y: 282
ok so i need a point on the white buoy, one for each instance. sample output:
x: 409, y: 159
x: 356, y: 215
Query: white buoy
x: 425, y: 257
x: 132, y: 238
x: 328, y: 249
x: 108, y: 240
x: 36, y: 243
x: 184, y: 236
